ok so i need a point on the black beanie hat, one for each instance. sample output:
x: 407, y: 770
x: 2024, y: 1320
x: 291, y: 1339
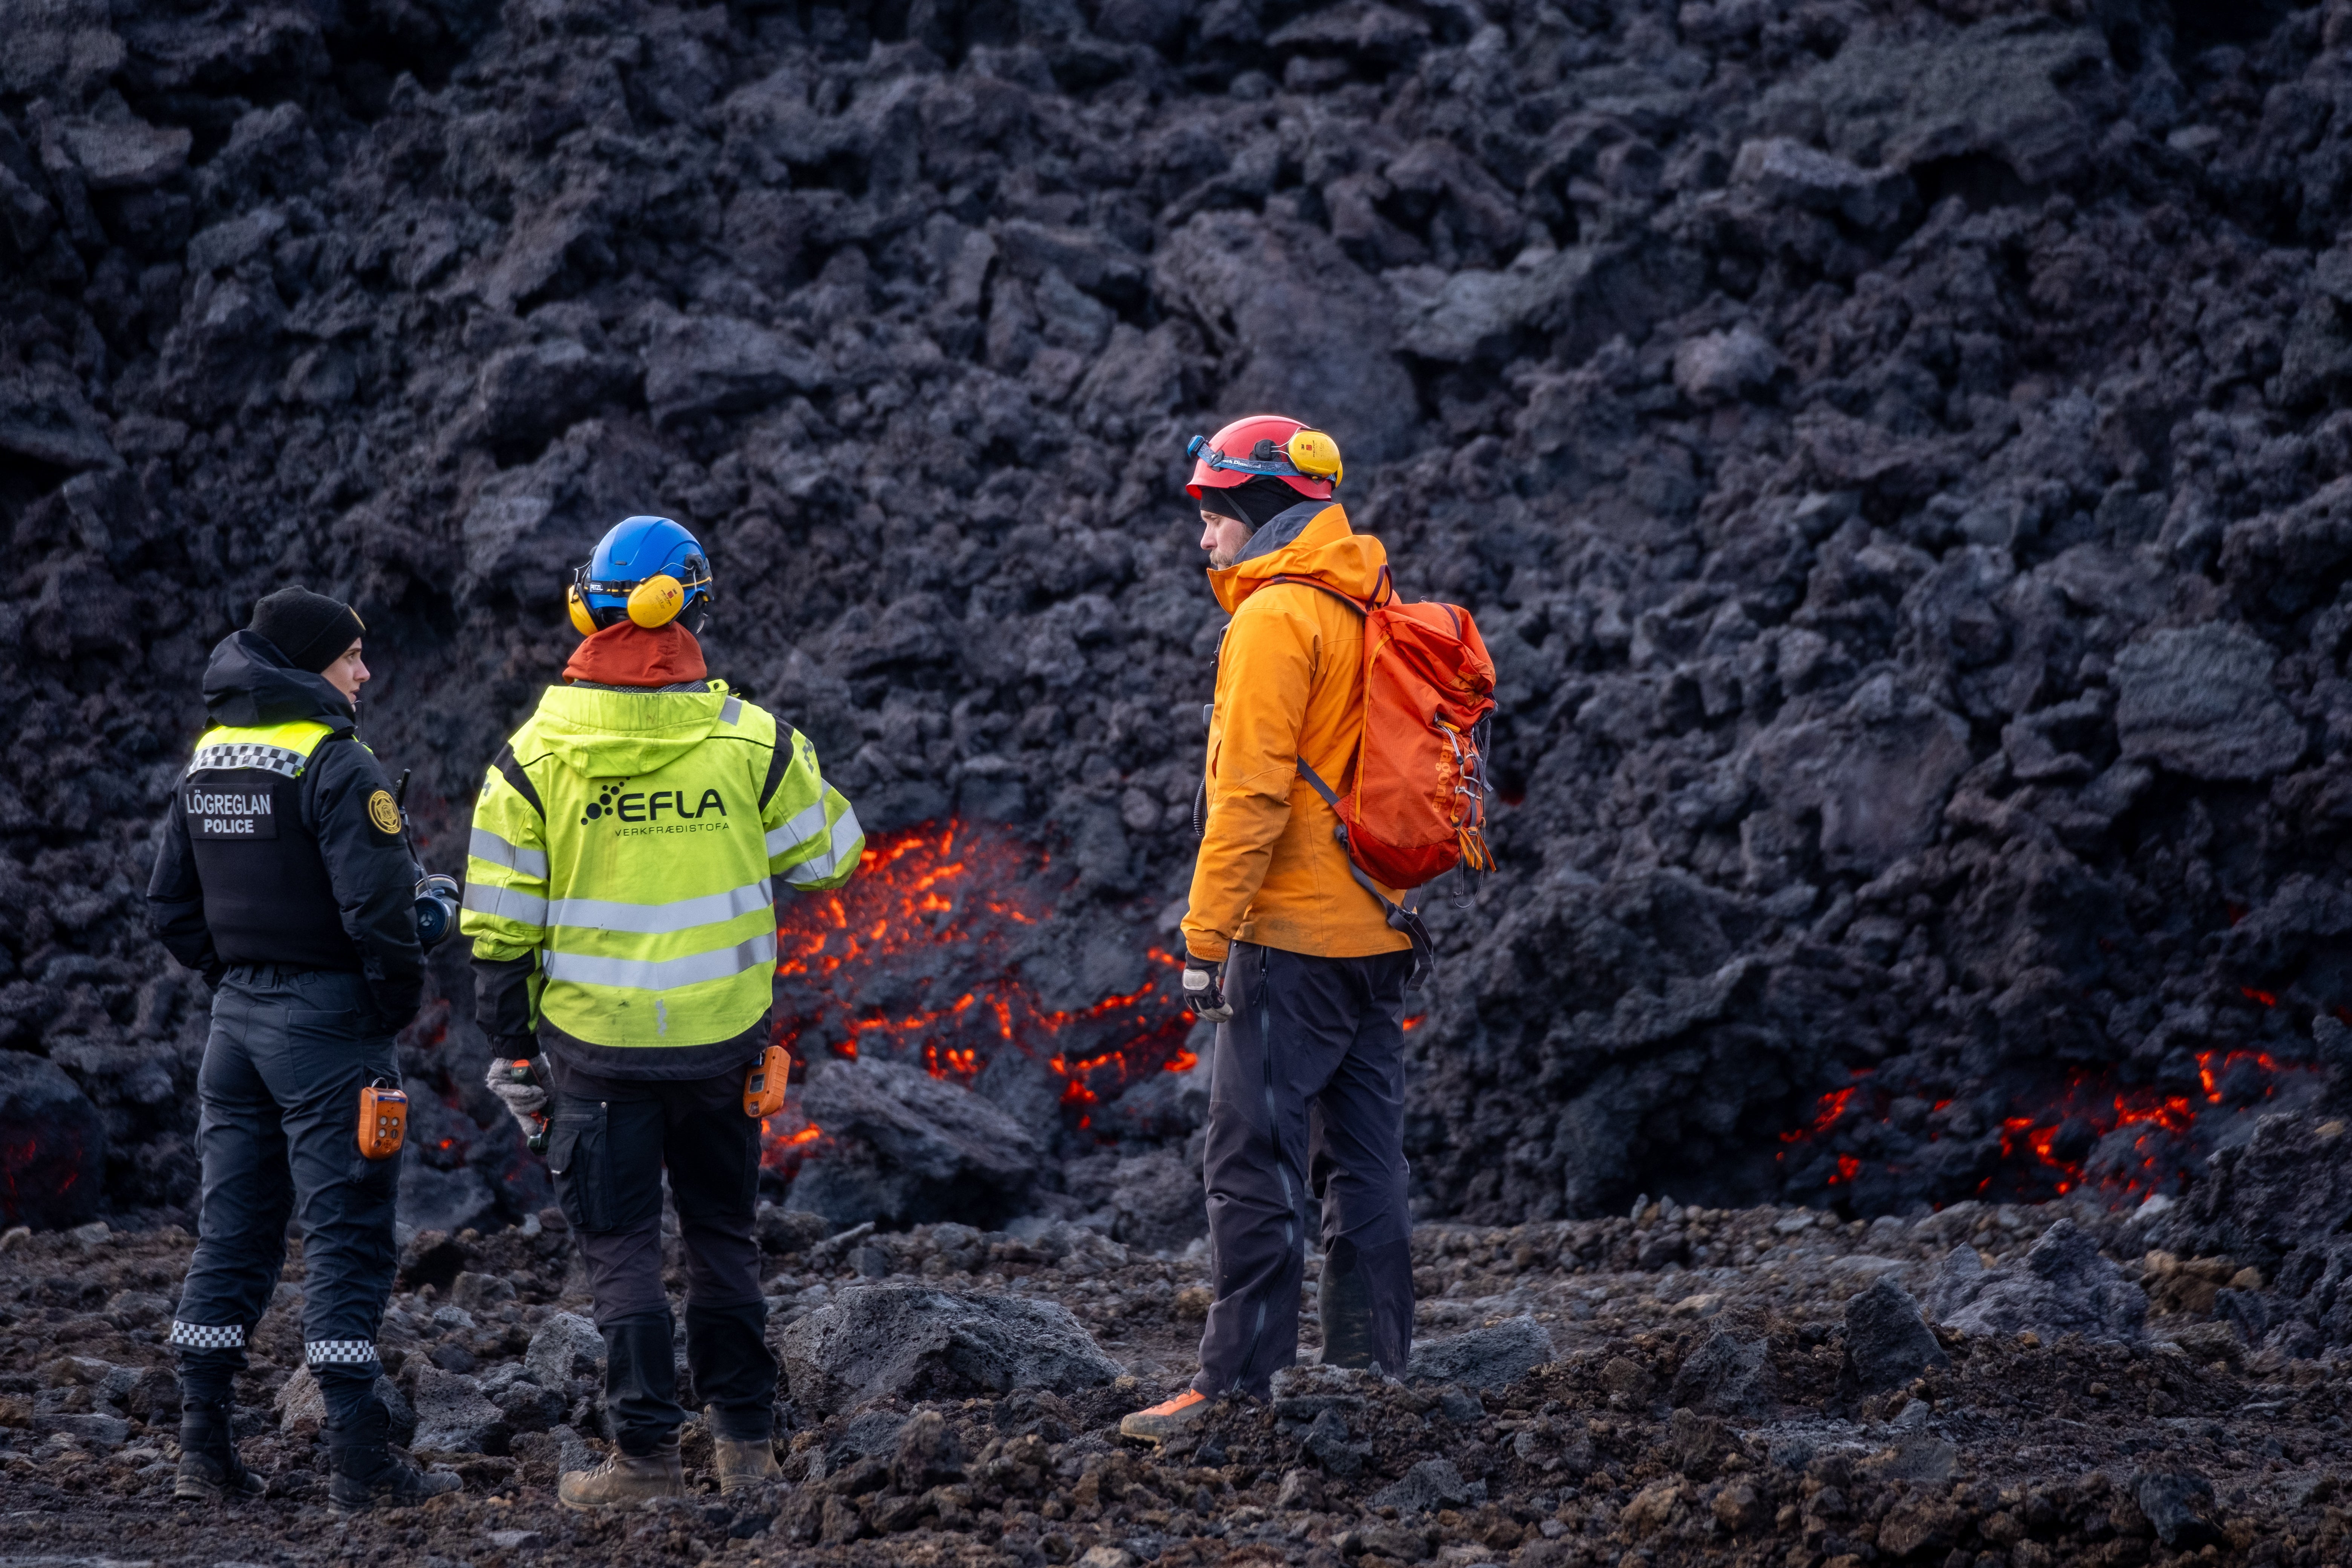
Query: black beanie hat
x: 1257, y: 500
x: 311, y: 629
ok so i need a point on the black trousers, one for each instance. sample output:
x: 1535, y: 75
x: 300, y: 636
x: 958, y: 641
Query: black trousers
x: 1306, y: 1099
x: 278, y: 1135
x: 608, y: 1144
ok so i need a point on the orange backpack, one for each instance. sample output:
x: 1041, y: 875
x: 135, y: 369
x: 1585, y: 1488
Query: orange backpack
x: 1416, y: 800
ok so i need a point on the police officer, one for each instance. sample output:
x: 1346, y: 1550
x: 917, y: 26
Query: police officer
x: 284, y: 880
x: 627, y: 847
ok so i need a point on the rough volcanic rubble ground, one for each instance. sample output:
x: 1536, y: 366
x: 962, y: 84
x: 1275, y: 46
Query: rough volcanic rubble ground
x: 1894, y: 457
x: 1716, y: 1386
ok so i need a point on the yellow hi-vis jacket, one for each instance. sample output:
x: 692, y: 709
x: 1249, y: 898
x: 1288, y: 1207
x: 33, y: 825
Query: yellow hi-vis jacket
x: 635, y: 840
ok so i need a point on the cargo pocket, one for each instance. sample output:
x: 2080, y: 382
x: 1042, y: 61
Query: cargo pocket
x: 748, y: 1199
x: 579, y: 1157
x: 322, y: 1046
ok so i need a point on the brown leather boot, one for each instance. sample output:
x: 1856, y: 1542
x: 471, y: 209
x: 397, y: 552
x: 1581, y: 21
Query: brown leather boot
x: 745, y: 1463
x: 624, y: 1481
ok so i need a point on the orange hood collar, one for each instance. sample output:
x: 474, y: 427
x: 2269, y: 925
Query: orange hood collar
x: 1327, y: 550
x: 625, y: 654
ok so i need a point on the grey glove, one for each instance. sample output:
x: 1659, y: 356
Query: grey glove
x: 1205, y: 990
x: 521, y: 1091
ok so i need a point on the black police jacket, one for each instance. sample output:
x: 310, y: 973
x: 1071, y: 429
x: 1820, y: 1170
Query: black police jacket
x: 286, y: 856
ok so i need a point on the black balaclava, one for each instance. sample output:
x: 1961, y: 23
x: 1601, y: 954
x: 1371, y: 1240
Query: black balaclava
x: 311, y: 629
x: 1258, y: 500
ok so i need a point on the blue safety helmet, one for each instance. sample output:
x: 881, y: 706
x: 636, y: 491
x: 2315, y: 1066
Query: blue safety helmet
x: 648, y: 570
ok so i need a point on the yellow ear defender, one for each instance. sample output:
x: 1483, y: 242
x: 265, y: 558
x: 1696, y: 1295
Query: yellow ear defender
x: 656, y: 601
x: 1312, y: 453
x: 582, y: 621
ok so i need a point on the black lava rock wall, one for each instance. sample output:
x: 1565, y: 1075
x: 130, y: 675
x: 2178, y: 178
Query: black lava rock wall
x: 1893, y: 452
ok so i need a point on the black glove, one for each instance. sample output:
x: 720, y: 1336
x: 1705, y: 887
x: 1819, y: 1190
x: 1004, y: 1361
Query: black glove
x: 1205, y: 990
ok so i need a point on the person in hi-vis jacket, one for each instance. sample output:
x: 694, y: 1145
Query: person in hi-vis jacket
x: 627, y: 849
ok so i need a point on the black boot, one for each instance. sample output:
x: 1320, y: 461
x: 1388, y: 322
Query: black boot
x: 210, y: 1471
x: 1345, y: 1306
x: 366, y: 1474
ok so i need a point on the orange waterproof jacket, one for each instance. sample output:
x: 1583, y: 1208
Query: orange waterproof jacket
x: 1290, y: 684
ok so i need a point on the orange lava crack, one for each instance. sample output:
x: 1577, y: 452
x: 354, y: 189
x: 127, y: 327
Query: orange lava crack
x: 914, y: 960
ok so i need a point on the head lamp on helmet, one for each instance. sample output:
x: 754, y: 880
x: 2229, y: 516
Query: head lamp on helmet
x: 1266, y: 446
x: 648, y: 570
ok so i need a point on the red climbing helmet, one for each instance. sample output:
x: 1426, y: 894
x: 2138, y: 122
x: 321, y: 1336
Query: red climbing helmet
x: 1265, y: 446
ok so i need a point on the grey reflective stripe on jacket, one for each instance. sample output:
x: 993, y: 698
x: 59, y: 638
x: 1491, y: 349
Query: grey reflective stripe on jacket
x: 843, y: 843
x: 661, y: 974
x: 512, y: 903
x: 656, y: 919
x: 488, y: 845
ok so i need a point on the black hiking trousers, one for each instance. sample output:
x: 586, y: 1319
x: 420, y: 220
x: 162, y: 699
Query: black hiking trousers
x: 1306, y: 1102
x: 277, y: 1132
x: 609, y: 1142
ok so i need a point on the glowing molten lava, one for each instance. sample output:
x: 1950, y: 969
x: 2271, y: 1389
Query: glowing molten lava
x: 917, y: 959
x: 2127, y: 1142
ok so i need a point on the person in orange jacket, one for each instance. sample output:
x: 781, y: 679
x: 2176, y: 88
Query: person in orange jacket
x: 1292, y: 960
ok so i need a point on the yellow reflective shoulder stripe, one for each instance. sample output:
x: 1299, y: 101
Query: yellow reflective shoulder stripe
x: 282, y: 749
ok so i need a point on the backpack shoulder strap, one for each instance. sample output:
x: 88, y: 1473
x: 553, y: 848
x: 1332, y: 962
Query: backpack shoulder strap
x: 1400, y: 917
x: 1347, y: 599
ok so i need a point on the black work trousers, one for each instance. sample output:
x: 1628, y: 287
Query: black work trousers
x: 608, y: 1143
x: 279, y: 1136
x: 1306, y: 1098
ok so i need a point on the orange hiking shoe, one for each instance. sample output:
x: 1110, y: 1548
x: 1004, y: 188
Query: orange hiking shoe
x: 1164, y: 1420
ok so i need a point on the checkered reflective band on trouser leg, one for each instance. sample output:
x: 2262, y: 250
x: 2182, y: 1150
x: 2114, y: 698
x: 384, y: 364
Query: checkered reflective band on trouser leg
x: 207, y: 1336
x: 341, y: 1353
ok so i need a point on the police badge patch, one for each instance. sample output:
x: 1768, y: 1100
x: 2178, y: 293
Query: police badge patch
x: 384, y: 813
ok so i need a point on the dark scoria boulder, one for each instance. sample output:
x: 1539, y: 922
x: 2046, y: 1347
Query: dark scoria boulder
x: 2281, y: 1201
x: 707, y: 365
x: 1875, y: 774
x: 2199, y: 701
x: 905, y: 1148
x: 1482, y: 1357
x: 1886, y: 1343
x: 882, y: 1342
x: 1299, y: 325
x: 2003, y: 89
x: 52, y: 1145
x: 2061, y: 1285
x: 2179, y: 1505
x: 1728, y: 1377
x: 453, y: 1414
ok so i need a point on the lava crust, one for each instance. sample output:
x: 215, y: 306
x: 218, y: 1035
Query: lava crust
x: 1894, y: 454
